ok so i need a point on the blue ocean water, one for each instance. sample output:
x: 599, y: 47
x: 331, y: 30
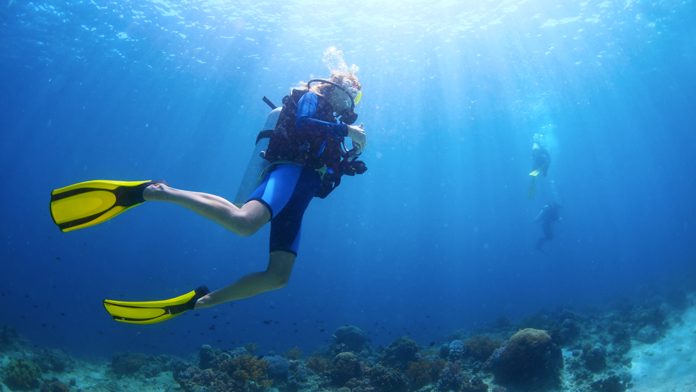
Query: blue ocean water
x: 438, y: 235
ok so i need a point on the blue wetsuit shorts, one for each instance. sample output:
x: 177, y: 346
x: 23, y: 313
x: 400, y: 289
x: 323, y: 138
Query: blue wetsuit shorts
x: 286, y: 191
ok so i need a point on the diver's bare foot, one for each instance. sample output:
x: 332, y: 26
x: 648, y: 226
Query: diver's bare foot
x: 156, y: 191
x: 203, y: 302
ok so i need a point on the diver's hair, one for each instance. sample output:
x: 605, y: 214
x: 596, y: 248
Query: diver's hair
x: 344, y: 79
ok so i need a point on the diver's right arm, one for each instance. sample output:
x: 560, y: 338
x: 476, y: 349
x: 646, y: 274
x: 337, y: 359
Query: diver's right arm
x: 307, y: 109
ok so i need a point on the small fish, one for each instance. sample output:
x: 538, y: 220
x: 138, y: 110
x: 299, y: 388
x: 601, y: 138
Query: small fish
x: 267, y: 321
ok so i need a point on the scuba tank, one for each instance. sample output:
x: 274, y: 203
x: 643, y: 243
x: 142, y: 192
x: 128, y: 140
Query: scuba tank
x: 257, y: 163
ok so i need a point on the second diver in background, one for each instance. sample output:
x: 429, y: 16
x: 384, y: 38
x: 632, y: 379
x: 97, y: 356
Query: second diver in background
x: 547, y: 217
x: 541, y: 160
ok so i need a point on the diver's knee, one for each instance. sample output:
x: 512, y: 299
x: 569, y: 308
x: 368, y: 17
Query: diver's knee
x: 251, y: 217
x: 246, y: 229
x: 248, y: 225
x: 278, y: 280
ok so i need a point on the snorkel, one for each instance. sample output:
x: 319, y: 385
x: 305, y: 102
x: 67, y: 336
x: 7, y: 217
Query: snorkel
x: 347, y: 116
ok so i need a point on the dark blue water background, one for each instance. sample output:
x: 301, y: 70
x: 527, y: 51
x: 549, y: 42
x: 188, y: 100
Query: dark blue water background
x: 438, y: 236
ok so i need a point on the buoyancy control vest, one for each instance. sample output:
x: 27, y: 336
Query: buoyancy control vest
x: 310, y: 147
x: 279, y: 141
x: 313, y: 148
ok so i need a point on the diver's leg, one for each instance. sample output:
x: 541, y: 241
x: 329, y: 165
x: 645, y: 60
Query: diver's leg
x: 243, y: 221
x: 274, y: 277
x: 284, y: 242
x: 548, y: 230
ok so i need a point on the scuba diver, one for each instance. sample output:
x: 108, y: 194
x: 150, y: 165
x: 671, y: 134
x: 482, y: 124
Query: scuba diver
x: 541, y: 160
x: 548, y: 216
x: 305, y: 157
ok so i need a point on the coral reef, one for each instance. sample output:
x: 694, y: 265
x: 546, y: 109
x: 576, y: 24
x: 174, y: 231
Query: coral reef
x: 54, y: 386
x: 345, y: 366
x: 454, y: 350
x: 400, y: 352
x: 451, y: 378
x: 386, y: 379
x: 586, y: 352
x: 148, y: 366
x: 128, y: 363
x: 209, y: 357
x: 236, y: 370
x: 594, y: 358
x: 350, y: 338
x: 8, y: 337
x: 22, y: 375
x: 278, y: 367
x: 294, y: 353
x: 610, y: 384
x: 246, y: 369
x: 529, y: 359
x: 53, y: 360
x: 423, y: 372
x: 318, y: 364
x: 480, y: 347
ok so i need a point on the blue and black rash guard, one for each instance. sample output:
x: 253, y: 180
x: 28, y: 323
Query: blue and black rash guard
x: 287, y: 188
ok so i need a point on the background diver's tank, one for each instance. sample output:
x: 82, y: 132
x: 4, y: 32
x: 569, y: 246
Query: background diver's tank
x: 257, y: 164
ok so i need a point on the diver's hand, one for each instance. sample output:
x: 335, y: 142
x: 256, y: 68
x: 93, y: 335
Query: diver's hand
x: 358, y: 136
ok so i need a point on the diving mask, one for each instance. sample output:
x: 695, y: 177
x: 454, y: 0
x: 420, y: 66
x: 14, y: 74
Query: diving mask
x: 349, y: 116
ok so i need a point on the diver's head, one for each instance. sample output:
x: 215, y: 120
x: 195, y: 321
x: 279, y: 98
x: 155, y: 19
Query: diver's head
x: 342, y: 90
x: 345, y: 84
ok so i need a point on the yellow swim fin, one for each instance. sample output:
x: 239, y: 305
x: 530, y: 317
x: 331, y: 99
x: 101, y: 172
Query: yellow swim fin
x: 151, y: 312
x: 89, y: 203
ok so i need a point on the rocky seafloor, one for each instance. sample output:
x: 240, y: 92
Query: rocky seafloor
x: 631, y: 347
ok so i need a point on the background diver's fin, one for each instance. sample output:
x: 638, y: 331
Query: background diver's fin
x: 151, y: 312
x: 89, y: 203
x: 534, y: 172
